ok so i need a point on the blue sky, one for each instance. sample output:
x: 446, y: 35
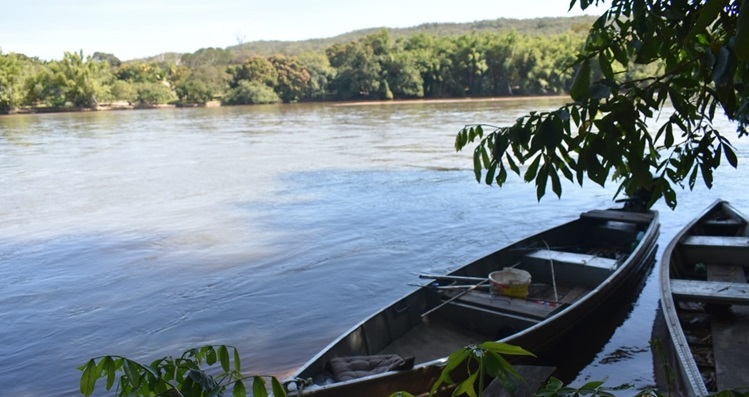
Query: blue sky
x: 138, y: 28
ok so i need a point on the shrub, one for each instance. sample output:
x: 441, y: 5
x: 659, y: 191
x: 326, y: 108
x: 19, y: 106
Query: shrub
x: 250, y: 93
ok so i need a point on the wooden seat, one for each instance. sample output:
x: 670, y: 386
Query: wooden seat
x: 537, y: 308
x: 620, y: 216
x: 739, y: 242
x: 715, y: 249
x: 711, y: 291
x: 574, y: 258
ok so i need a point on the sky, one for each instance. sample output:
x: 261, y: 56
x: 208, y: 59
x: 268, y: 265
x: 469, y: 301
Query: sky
x: 132, y: 29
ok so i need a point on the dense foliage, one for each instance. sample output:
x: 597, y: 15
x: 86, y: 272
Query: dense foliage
x: 700, y: 52
x: 190, y: 375
x: 377, y: 66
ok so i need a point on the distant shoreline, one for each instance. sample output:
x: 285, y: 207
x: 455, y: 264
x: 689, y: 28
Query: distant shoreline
x: 119, y: 106
x: 450, y: 100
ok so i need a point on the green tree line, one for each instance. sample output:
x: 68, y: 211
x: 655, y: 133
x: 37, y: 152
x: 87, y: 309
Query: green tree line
x: 375, y: 67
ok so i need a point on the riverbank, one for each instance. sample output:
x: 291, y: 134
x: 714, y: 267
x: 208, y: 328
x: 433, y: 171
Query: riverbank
x: 452, y: 100
x: 105, y: 107
x: 127, y: 106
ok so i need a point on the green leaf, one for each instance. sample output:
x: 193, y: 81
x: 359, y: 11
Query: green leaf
x: 669, y: 139
x: 237, y: 361
x: 723, y: 71
x: 513, y: 166
x: 127, y: 367
x: 502, y: 177
x: 210, y: 355
x: 506, y: 349
x: 532, y: 171
x: 620, y: 54
x: 467, y: 386
x: 707, y: 14
x: 591, y: 385
x: 668, y: 194
x: 707, y: 175
x: 89, y: 377
x: 581, y: 82
x: 278, y: 390
x: 541, y: 180
x: 727, y: 97
x: 490, y: 171
x: 551, y: 133
x: 730, y: 155
x: 110, y: 369
x: 485, y: 157
x: 477, y: 163
x: 223, y: 355
x: 605, y: 63
x: 216, y: 391
x: 205, y: 381
x: 258, y: 387
x: 556, y: 185
x: 479, y: 131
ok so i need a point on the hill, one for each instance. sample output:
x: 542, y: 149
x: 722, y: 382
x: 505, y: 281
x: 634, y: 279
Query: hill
x: 536, y: 26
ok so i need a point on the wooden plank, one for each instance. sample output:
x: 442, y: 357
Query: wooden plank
x: 711, y: 291
x: 722, y: 222
x: 574, y: 294
x: 534, y: 308
x: 620, y: 216
x: 730, y: 336
x: 717, y: 241
x: 534, y: 376
x: 509, y: 305
x: 574, y: 258
x: 726, y: 273
x: 730, y: 333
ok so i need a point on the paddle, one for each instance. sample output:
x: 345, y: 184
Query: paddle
x: 445, y: 286
x: 484, y: 281
x: 446, y: 277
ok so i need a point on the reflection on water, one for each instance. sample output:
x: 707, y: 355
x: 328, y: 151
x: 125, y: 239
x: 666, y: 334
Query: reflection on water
x: 270, y: 228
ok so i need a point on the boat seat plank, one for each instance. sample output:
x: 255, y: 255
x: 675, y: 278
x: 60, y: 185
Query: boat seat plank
x: 574, y: 258
x: 722, y: 222
x: 621, y: 216
x: 711, y: 291
x: 717, y: 241
x: 538, y: 308
x: 506, y: 304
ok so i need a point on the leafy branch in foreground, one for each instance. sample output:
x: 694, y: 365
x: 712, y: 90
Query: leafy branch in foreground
x: 475, y: 364
x: 180, y: 377
x: 701, y: 50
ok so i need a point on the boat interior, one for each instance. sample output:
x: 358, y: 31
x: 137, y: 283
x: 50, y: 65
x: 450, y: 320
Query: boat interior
x: 565, y: 263
x: 709, y: 287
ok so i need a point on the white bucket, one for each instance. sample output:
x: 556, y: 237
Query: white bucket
x: 511, y: 282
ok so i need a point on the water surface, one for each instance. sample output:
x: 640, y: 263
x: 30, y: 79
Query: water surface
x: 269, y: 228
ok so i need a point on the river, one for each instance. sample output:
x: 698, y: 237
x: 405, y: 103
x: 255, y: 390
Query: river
x: 269, y: 228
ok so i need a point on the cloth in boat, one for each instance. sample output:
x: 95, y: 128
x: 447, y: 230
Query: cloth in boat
x: 353, y: 367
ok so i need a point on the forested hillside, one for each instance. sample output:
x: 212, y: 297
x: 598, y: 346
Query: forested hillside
x: 538, y: 26
x: 489, y: 58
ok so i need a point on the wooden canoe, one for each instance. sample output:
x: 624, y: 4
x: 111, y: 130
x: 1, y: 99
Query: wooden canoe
x: 586, y: 261
x: 702, y: 328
